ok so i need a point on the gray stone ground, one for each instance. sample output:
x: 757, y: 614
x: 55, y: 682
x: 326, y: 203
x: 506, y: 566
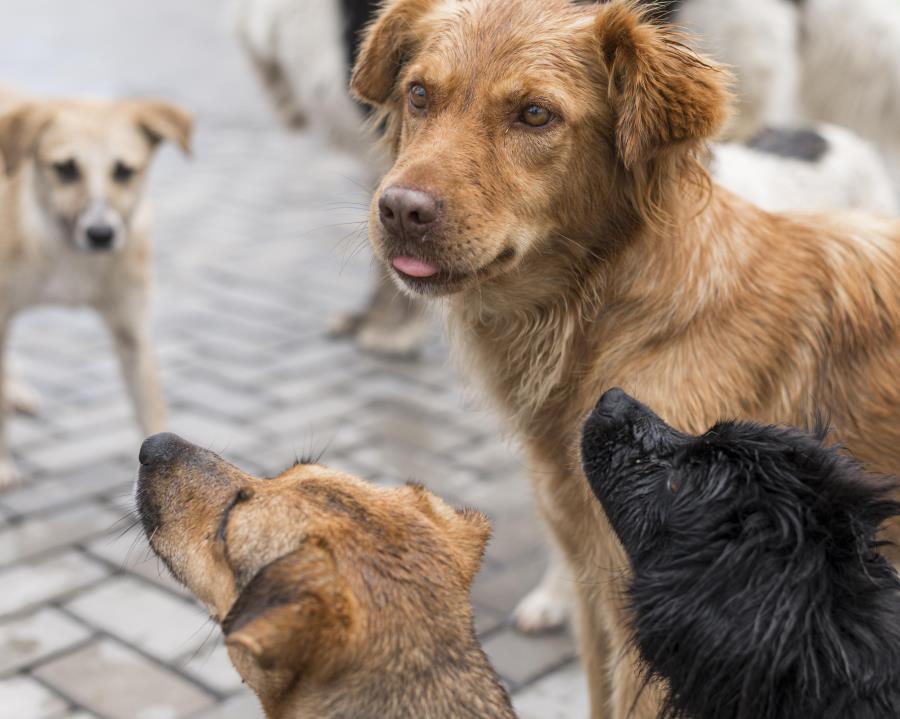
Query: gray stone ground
x: 258, y: 243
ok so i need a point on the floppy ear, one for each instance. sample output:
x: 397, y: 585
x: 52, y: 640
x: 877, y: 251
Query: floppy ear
x: 289, y: 610
x: 19, y: 133
x: 164, y: 121
x: 662, y: 93
x: 386, y: 45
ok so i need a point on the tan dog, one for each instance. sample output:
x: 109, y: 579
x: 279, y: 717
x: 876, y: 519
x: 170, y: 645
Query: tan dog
x: 547, y: 181
x: 337, y: 598
x: 74, y: 227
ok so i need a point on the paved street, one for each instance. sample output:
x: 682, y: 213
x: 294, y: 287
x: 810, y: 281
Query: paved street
x: 259, y: 240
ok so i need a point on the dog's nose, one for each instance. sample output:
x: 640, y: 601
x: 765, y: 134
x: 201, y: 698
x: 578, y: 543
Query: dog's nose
x: 100, y: 237
x: 161, y: 448
x: 407, y: 211
x: 615, y: 403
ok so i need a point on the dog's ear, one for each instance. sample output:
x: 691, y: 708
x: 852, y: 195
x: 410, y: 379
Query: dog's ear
x: 290, y: 610
x: 468, y: 530
x: 388, y: 41
x: 164, y: 121
x: 662, y: 93
x: 20, y: 130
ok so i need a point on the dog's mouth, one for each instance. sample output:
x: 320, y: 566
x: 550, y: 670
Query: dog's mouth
x: 427, y: 277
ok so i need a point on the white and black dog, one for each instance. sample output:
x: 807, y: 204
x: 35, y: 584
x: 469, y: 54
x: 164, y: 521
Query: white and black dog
x: 758, y: 588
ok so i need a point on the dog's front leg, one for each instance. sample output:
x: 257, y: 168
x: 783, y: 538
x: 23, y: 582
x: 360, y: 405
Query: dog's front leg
x: 128, y: 323
x: 9, y: 475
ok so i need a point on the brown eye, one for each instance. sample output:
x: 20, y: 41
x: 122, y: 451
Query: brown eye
x: 536, y: 116
x: 67, y: 170
x: 673, y: 484
x: 418, y: 97
x: 122, y: 172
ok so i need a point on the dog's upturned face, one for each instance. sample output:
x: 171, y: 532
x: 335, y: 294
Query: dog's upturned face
x: 90, y: 160
x: 757, y: 584
x: 313, y: 572
x: 513, y: 123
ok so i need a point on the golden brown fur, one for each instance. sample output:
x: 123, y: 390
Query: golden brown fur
x: 595, y: 253
x: 337, y: 598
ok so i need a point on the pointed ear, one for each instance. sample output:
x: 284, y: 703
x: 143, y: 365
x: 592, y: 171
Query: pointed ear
x: 164, y: 121
x: 386, y: 46
x: 290, y: 610
x: 20, y: 130
x: 662, y: 93
x: 475, y: 532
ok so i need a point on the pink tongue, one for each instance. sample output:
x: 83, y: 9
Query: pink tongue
x: 413, y: 267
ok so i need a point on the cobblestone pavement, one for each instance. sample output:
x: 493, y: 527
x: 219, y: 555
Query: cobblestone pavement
x: 258, y: 242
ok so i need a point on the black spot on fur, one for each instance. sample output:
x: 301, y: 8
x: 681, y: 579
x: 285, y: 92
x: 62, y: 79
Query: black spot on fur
x: 806, y: 145
x: 758, y: 588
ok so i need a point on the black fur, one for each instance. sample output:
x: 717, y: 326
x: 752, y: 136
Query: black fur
x: 806, y: 145
x: 758, y: 590
x: 357, y: 14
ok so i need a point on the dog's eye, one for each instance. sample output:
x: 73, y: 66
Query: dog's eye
x: 67, y: 170
x: 673, y: 484
x: 418, y: 97
x: 122, y: 172
x: 536, y: 116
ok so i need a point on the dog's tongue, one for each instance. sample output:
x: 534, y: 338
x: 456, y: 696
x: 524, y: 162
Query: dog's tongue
x: 413, y: 267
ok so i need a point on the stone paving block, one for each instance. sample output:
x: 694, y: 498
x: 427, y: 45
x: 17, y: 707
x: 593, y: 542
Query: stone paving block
x: 128, y: 551
x: 69, y: 487
x: 160, y: 624
x: 48, y: 531
x: 243, y: 706
x: 27, y: 640
x: 114, y: 440
x: 520, y: 659
x: 563, y: 695
x: 214, y: 433
x: 46, y: 580
x: 211, y: 666
x: 24, y: 698
x: 115, y: 682
x: 502, y: 589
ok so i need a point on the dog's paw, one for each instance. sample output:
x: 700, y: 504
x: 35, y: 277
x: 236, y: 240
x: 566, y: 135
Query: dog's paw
x: 346, y: 324
x: 397, y: 342
x: 9, y: 474
x: 22, y: 397
x: 542, y: 610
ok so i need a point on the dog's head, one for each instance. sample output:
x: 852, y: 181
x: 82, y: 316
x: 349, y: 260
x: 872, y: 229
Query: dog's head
x: 758, y: 587
x: 311, y: 574
x: 89, y: 160
x: 520, y: 128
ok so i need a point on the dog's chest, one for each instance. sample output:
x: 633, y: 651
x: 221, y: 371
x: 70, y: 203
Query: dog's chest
x: 68, y: 281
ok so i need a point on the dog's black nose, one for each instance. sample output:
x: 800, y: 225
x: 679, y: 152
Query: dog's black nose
x: 407, y: 212
x: 615, y: 404
x: 161, y: 448
x: 100, y: 237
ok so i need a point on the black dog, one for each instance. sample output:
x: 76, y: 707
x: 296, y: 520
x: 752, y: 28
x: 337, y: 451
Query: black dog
x: 758, y: 589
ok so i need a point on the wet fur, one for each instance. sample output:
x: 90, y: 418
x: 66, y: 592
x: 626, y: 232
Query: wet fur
x: 758, y: 587
x: 629, y: 266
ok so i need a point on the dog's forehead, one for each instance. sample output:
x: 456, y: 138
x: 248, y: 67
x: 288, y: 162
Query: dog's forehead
x: 94, y: 129
x: 490, y: 42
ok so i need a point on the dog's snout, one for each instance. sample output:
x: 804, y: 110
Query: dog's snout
x: 408, y: 212
x: 615, y: 404
x: 161, y: 448
x: 100, y: 236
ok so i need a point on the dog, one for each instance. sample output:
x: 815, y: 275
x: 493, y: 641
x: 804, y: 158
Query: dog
x: 337, y: 598
x: 758, y: 588
x: 547, y: 186
x: 302, y: 51
x: 75, y: 226
x: 806, y: 60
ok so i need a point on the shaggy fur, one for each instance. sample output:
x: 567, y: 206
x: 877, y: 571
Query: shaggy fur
x: 338, y: 599
x: 758, y: 590
x: 594, y: 251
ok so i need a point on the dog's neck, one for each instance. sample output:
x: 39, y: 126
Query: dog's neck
x: 419, y: 677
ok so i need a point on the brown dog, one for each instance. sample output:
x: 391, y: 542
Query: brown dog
x: 337, y: 598
x: 546, y: 179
